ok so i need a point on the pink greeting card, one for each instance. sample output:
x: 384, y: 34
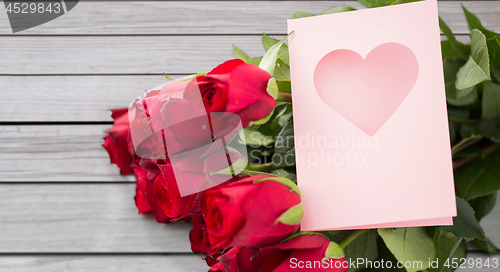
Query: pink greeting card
x: 371, y: 129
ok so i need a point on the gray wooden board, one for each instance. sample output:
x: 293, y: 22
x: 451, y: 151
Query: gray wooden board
x: 66, y: 55
x: 80, y: 218
x: 117, y: 263
x: 55, y: 153
x: 214, y: 17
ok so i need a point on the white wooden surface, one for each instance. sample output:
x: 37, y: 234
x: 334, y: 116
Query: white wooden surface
x: 75, y: 218
x: 63, y: 207
x: 214, y: 17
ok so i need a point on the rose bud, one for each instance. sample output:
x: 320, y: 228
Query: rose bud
x: 169, y: 198
x: 304, y: 252
x: 145, y: 174
x: 198, y: 237
x: 118, y: 143
x: 235, y: 87
x: 252, y: 211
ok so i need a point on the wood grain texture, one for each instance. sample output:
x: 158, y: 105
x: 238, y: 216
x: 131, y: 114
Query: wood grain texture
x: 69, y: 98
x: 55, y: 153
x: 81, y: 98
x: 120, y: 54
x: 69, y: 218
x: 120, y: 263
x: 74, y: 153
x: 112, y: 55
x: 214, y: 17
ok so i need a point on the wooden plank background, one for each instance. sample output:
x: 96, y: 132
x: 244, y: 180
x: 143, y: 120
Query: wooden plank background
x: 63, y: 207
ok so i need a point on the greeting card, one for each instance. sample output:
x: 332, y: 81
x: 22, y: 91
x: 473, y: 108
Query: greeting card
x: 371, y: 129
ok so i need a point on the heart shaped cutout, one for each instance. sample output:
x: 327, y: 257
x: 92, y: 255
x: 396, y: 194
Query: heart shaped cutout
x: 367, y: 91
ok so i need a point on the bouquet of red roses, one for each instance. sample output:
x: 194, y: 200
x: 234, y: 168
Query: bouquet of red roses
x: 251, y: 213
x: 216, y: 149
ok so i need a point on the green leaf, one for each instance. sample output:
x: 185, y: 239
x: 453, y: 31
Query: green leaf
x: 234, y: 169
x: 447, y: 50
x: 256, y: 138
x: 365, y: 247
x: 281, y: 71
x: 491, y: 101
x: 386, y: 256
x: 293, y: 187
x: 337, y: 10
x: 272, y: 88
x: 465, y: 142
x: 451, y: 67
x: 453, y: 132
x: 483, y: 205
x: 239, y: 54
x: 478, y: 178
x: 492, y: 38
x: 284, y: 86
x: 284, y: 148
x: 291, y: 216
x: 487, y: 246
x: 465, y: 224
x: 477, y: 67
x: 471, y: 151
x: 273, y: 126
x: 300, y: 14
x: 410, y: 244
x: 462, y: 50
x: 334, y: 251
x: 447, y: 245
x: 269, y: 42
x: 382, y: 3
x: 486, y: 128
x: 268, y: 62
x: 255, y: 61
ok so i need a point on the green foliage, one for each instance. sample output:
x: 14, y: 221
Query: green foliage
x: 491, y: 101
x: 478, y: 178
x: 448, y: 246
x: 382, y: 3
x: 461, y: 50
x: 292, y: 216
x: 465, y: 224
x: 483, y: 205
x: 284, y: 148
x: 410, y: 244
x: 365, y: 247
x: 487, y: 247
x: 477, y: 67
x: 239, y: 54
x: 300, y: 14
x: 493, y: 39
x: 274, y: 52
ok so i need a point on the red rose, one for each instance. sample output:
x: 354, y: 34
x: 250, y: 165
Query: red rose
x: 235, y: 87
x: 145, y: 196
x: 200, y: 243
x: 217, y: 267
x: 307, y: 252
x: 119, y: 143
x: 169, y: 198
x: 253, y: 211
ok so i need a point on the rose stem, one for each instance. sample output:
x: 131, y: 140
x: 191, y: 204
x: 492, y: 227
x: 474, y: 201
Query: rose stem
x: 285, y: 97
x: 351, y: 236
x: 268, y: 167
